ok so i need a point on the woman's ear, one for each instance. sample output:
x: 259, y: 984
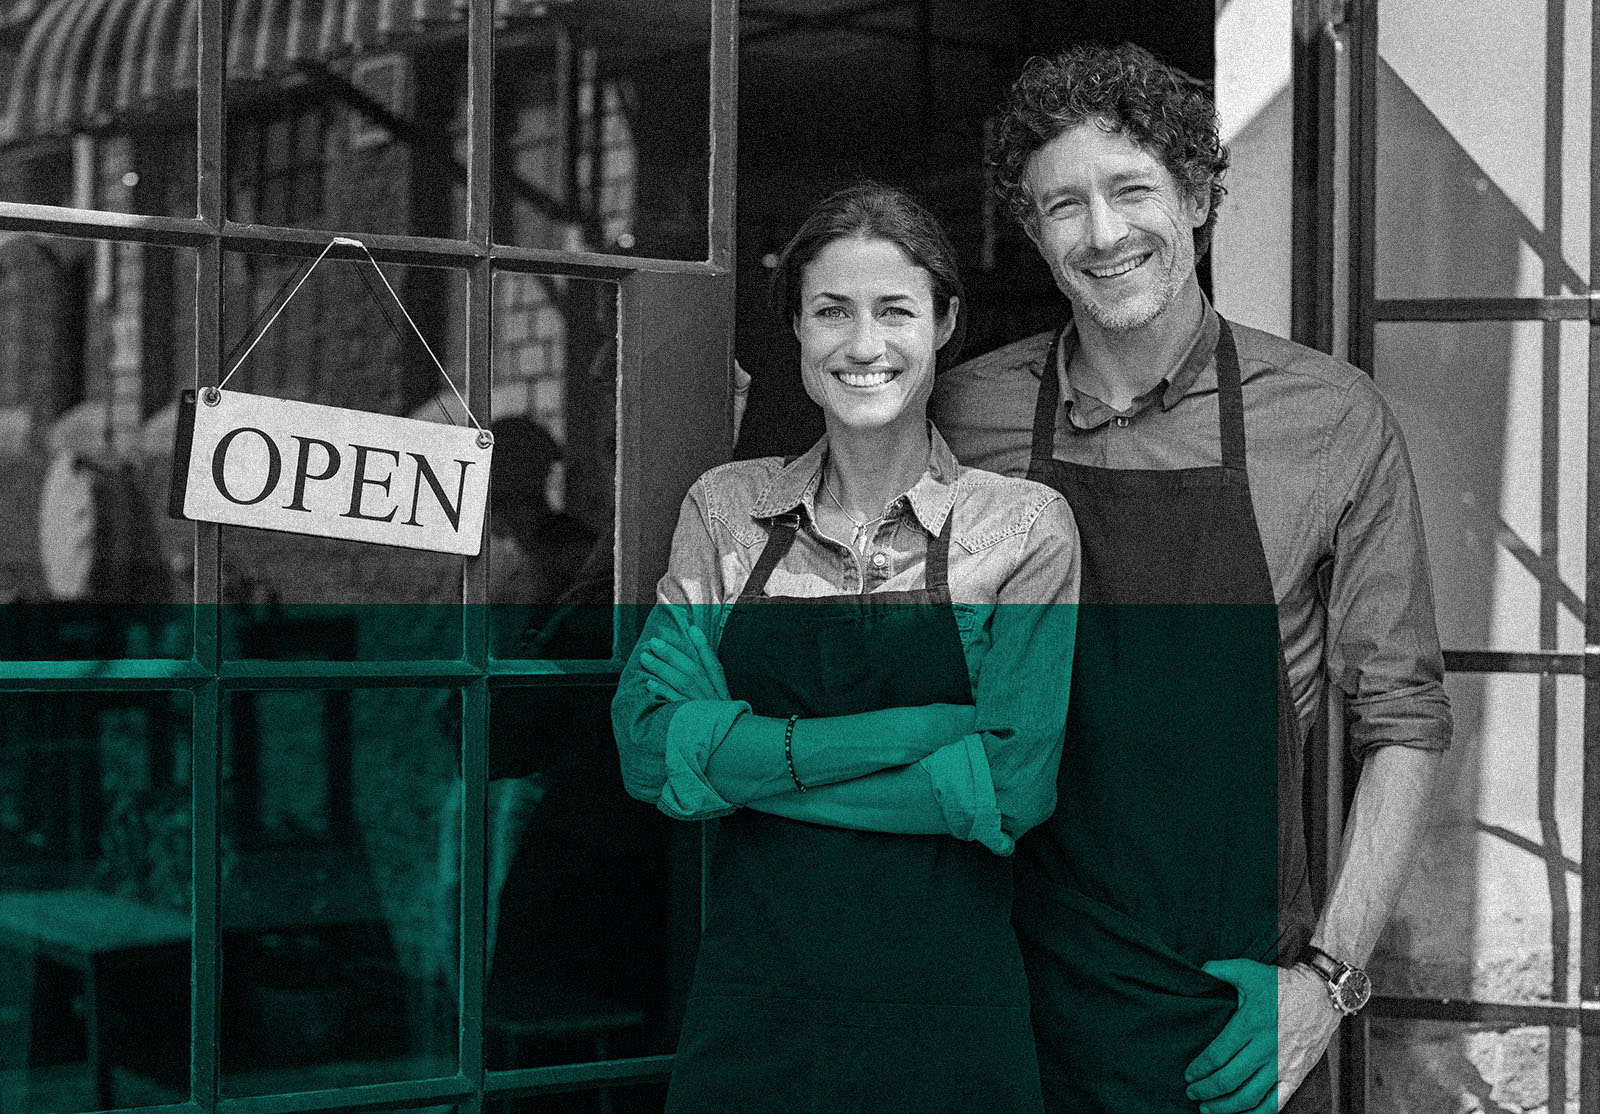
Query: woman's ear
x: 947, y: 325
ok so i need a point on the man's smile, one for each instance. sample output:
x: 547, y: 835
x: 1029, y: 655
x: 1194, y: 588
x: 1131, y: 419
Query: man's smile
x: 1119, y: 268
x: 865, y: 378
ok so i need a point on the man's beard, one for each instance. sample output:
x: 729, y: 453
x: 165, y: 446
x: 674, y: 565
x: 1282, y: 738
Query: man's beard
x: 1125, y: 314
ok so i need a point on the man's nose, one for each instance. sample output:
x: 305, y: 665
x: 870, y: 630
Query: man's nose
x: 1107, y: 227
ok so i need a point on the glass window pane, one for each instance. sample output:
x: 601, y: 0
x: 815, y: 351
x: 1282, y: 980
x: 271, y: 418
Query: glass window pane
x: 1483, y: 195
x: 1494, y: 419
x: 1492, y: 909
x: 348, y: 115
x: 95, y: 900
x: 1437, y: 1065
x: 585, y: 950
x: 602, y: 126
x: 94, y: 348
x: 101, y: 106
x: 340, y: 894
x: 334, y: 345
x: 551, y: 533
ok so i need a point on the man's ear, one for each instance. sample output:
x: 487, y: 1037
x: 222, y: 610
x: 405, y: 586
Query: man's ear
x: 1200, y: 204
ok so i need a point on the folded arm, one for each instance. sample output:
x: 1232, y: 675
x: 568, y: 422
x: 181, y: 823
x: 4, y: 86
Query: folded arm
x: 700, y: 758
x: 998, y: 781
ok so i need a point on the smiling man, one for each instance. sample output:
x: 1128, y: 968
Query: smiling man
x: 1250, y: 530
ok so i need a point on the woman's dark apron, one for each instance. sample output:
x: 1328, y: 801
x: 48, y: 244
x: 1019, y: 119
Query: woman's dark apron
x: 1177, y: 836
x: 844, y: 970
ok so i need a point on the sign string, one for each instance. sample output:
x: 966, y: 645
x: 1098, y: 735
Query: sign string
x: 292, y: 286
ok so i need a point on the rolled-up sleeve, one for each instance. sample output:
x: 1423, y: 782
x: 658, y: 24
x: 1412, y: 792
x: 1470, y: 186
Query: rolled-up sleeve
x: 1000, y: 781
x: 964, y: 790
x: 695, y: 729
x: 1383, y: 644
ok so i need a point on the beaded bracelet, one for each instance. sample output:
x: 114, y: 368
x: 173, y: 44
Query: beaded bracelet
x: 788, y: 751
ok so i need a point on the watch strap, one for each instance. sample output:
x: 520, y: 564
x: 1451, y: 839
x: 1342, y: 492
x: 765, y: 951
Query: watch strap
x: 1321, y: 962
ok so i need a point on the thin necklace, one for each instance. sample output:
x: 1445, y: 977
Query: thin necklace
x: 860, y: 527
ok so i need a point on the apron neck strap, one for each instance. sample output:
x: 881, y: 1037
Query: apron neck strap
x: 779, y: 538
x: 1049, y: 401
x: 936, y: 569
x: 1230, y: 399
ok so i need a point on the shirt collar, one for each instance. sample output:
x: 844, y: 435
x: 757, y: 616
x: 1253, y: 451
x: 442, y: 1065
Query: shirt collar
x: 1087, y: 412
x: 793, y: 489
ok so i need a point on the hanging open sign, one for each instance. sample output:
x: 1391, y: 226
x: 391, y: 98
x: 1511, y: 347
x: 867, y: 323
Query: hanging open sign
x: 250, y: 460
x: 308, y: 469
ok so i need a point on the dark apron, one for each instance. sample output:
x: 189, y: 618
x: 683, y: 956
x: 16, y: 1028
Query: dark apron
x: 844, y: 970
x: 1178, y: 834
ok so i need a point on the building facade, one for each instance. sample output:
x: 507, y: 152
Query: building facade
x: 295, y: 824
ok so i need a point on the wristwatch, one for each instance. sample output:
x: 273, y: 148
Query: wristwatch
x: 1349, y: 988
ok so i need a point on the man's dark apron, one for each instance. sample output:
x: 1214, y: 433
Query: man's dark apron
x: 844, y: 970
x: 1177, y: 836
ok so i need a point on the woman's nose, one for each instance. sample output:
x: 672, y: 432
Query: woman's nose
x: 866, y: 340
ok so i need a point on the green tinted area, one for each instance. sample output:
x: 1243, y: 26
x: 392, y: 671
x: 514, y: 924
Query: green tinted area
x: 1163, y: 854
x: 272, y: 631
x: 343, y: 805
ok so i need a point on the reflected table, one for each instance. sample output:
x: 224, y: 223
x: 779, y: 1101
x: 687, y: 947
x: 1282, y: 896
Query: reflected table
x: 85, y: 930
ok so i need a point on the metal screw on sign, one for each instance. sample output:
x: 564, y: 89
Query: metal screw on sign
x: 210, y: 396
x: 485, y: 439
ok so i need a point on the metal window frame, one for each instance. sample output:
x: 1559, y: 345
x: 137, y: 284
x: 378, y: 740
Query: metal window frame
x: 1336, y: 68
x: 675, y: 353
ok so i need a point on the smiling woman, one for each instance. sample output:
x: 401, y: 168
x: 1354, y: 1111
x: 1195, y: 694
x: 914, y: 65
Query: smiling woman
x: 856, y: 712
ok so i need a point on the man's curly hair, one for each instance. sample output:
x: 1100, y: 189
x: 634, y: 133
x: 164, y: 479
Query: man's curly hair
x: 1128, y: 89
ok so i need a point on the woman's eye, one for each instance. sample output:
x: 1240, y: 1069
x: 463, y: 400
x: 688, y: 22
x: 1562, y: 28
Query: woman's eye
x: 897, y: 311
x: 831, y: 313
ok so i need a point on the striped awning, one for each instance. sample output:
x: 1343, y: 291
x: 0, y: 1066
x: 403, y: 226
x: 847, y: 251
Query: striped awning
x: 85, y: 64
x: 91, y: 64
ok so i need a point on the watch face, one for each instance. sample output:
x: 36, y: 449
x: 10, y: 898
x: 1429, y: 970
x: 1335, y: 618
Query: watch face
x: 1353, y: 990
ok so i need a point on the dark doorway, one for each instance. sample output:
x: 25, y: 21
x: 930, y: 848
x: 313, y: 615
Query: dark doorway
x: 834, y: 90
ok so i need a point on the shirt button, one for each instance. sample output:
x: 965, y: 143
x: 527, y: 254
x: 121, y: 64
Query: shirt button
x: 879, y: 560
x: 1122, y: 423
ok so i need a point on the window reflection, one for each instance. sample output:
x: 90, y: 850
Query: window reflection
x: 89, y: 368
x: 340, y: 888
x: 581, y: 954
x: 551, y: 533
x: 100, y: 105
x: 94, y: 900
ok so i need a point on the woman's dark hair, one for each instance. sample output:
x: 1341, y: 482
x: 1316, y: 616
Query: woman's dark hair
x: 1124, y: 89
x: 874, y: 211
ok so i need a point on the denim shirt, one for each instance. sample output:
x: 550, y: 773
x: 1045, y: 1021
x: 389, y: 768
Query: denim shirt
x: 1013, y: 578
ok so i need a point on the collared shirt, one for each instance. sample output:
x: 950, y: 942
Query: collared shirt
x: 1333, y: 493
x: 1013, y: 543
